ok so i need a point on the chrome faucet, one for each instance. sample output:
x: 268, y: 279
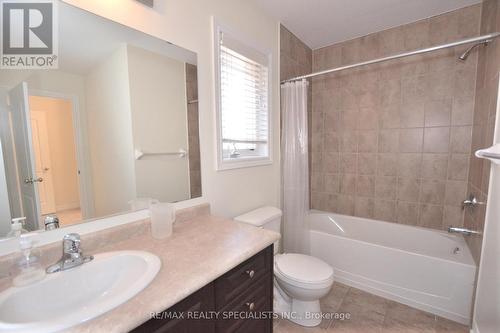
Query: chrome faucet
x: 51, y: 222
x: 463, y: 231
x: 72, y: 255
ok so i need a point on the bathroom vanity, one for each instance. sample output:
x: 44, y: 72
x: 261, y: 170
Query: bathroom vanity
x: 212, y: 268
x: 239, y: 301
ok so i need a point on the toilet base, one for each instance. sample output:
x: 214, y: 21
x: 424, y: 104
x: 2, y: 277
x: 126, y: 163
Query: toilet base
x: 304, y: 313
x: 307, y: 313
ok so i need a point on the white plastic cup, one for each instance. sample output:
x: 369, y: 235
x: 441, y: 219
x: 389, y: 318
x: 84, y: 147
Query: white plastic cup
x: 162, y: 219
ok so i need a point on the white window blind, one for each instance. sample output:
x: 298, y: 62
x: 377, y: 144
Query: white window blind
x: 244, y: 111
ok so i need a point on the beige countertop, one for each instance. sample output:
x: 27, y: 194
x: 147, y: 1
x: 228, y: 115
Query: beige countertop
x: 198, y: 252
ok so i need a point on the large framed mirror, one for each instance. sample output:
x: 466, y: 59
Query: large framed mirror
x: 112, y: 129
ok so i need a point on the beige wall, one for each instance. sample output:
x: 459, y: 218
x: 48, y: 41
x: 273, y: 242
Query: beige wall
x: 110, y: 134
x: 188, y: 23
x: 61, y: 136
x: 159, y: 124
x: 484, y: 122
x: 392, y: 141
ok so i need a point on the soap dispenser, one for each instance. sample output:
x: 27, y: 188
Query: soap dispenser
x: 16, y: 228
x: 28, y: 267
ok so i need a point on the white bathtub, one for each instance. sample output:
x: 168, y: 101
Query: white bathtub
x: 410, y: 265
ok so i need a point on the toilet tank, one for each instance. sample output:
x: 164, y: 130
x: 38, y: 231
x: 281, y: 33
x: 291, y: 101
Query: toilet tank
x: 264, y: 217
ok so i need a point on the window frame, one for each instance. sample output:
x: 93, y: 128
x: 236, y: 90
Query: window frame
x: 245, y: 162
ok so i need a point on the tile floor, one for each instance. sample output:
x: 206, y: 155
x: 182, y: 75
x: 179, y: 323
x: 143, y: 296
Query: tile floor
x: 370, y: 313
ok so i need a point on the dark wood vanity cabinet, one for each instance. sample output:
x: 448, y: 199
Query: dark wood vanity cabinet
x: 240, y: 301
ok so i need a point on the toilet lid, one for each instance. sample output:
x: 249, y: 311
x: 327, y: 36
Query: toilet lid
x: 303, y: 268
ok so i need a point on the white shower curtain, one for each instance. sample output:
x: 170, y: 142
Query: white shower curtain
x: 295, y: 166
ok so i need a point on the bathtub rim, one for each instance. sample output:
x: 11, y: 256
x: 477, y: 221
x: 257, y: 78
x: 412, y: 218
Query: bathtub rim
x: 468, y: 261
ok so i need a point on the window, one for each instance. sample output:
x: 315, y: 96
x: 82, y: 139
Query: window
x: 243, y: 104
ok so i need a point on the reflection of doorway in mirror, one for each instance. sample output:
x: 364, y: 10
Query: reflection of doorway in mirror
x: 55, y: 158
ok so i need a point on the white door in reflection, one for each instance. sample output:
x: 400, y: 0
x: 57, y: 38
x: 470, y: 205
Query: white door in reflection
x: 27, y: 198
x: 43, y: 165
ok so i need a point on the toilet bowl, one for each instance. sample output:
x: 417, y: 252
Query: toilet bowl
x: 300, y: 281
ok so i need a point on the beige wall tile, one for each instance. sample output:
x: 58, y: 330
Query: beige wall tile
x: 390, y: 116
x: 364, y: 207
x: 461, y: 139
x: 330, y: 163
x: 416, y: 35
x: 455, y: 193
x: 434, y: 166
x: 367, y: 141
x: 443, y: 28
x: 367, y: 163
x: 345, y: 204
x: 453, y: 216
x: 409, y: 189
x: 365, y: 186
x: 386, y: 188
x: 430, y: 216
x: 411, y: 140
x: 348, y: 184
x: 412, y: 114
x: 410, y: 165
x: 438, y: 112
x: 385, y: 210
x: 332, y: 183
x: 407, y: 212
x: 433, y: 192
x: 348, y: 163
x: 462, y: 111
x: 458, y: 167
x: 437, y: 140
x: 388, y: 141
x: 317, y: 181
x: 387, y: 165
x: 348, y: 141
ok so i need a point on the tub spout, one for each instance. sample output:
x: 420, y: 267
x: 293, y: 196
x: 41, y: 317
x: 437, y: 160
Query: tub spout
x: 463, y: 231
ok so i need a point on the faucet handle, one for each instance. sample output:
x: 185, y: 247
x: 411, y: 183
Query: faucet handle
x: 71, y: 243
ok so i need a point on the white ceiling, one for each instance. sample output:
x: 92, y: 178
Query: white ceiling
x: 321, y: 23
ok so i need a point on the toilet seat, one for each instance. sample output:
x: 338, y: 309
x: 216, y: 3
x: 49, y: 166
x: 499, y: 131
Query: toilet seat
x: 303, y: 271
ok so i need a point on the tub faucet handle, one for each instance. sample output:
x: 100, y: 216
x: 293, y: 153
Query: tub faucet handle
x: 471, y: 202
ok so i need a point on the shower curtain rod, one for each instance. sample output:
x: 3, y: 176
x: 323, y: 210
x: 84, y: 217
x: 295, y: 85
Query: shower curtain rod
x: 484, y: 38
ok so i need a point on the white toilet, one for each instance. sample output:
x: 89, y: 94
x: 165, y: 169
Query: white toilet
x: 300, y: 281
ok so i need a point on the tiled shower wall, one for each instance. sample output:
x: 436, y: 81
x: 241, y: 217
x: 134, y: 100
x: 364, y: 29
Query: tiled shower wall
x: 295, y: 56
x: 393, y: 141
x: 484, y: 122
x: 296, y: 60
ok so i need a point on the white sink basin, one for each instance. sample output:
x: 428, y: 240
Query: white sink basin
x: 71, y: 297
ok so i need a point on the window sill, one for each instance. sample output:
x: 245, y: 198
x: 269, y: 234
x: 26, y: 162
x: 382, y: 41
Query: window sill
x: 243, y: 163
